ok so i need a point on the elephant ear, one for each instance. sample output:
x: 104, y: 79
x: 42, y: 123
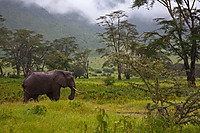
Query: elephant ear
x: 59, y: 78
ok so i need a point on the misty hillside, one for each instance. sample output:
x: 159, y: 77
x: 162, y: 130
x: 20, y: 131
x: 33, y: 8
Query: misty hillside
x: 54, y: 26
x: 51, y: 26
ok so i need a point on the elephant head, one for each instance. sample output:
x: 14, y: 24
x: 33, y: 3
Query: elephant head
x: 65, y: 79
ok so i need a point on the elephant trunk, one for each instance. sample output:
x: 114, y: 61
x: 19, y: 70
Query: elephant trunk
x: 72, y: 95
x: 73, y: 90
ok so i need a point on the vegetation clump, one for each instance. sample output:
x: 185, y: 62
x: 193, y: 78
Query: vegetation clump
x: 109, y: 80
x: 38, y: 109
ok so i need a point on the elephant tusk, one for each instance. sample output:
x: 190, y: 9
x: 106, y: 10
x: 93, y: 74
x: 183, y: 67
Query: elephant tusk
x: 76, y: 90
x: 77, y: 93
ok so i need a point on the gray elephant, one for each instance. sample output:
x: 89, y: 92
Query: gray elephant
x: 49, y: 83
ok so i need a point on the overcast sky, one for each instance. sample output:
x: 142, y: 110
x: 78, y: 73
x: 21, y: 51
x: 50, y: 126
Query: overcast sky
x: 92, y: 9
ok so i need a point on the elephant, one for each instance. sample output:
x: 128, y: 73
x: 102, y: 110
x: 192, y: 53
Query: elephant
x: 49, y: 83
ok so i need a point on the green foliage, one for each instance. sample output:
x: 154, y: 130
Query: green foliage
x: 164, y: 88
x: 38, y: 109
x: 57, y: 60
x: 66, y: 45
x: 109, y: 80
x: 106, y: 70
x: 77, y: 70
x: 176, y: 35
x: 82, y: 59
x: 14, y: 76
x: 98, y: 71
x: 23, y: 49
x: 10, y: 90
x: 102, y: 122
x: 118, y: 36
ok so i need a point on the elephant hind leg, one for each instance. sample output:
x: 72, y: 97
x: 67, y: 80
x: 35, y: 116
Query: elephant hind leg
x: 35, y: 97
x: 26, y: 97
x: 50, y: 95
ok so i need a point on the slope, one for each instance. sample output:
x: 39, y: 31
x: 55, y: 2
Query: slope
x: 52, y: 26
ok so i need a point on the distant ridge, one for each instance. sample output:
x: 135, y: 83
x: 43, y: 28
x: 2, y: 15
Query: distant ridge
x: 54, y: 26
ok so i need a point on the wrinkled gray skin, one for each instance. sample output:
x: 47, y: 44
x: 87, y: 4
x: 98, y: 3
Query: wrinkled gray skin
x: 49, y: 83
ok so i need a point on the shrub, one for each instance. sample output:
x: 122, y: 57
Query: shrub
x: 106, y: 70
x: 109, y: 80
x: 38, y: 109
x: 98, y: 71
x: 14, y: 76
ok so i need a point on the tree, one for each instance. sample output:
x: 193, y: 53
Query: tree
x: 57, y: 60
x: 22, y: 49
x: 3, y: 30
x: 77, y: 70
x: 181, y: 33
x: 118, y: 36
x: 82, y: 58
x: 65, y: 45
x: 32, y: 53
x: 61, y: 50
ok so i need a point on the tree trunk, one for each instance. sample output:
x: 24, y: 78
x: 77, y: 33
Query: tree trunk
x: 127, y: 75
x: 127, y: 72
x: 18, y: 70
x: 119, y: 71
x: 192, y: 67
x: 87, y: 69
x: 190, y: 72
x: 1, y: 71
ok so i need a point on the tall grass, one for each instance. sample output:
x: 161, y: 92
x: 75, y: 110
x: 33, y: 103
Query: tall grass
x: 99, y: 108
x: 75, y: 116
x: 93, y: 90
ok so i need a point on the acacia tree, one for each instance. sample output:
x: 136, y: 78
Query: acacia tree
x: 66, y: 45
x: 2, y: 38
x: 82, y: 59
x: 57, y: 60
x: 181, y: 33
x: 118, y: 36
x: 22, y: 49
x: 60, y: 53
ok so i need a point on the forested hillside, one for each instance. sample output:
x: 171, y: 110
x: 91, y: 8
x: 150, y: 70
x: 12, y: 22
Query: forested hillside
x: 51, y: 26
x: 54, y: 26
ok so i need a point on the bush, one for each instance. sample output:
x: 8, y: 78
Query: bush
x: 109, y: 80
x: 94, y: 75
x: 106, y: 70
x: 98, y: 71
x: 38, y: 109
x: 14, y: 76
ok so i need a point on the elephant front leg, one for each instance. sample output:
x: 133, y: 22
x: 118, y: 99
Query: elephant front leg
x: 56, y: 95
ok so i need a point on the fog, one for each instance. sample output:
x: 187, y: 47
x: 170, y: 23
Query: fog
x: 92, y: 9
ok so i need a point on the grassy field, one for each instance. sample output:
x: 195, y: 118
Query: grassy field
x: 117, y: 108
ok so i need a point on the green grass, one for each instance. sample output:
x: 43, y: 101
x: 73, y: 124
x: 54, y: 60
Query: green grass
x: 61, y: 116
x: 124, y: 109
x: 73, y: 116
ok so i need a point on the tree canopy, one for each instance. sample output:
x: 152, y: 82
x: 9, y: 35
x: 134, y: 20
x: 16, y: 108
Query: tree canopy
x: 181, y: 32
x: 119, y: 35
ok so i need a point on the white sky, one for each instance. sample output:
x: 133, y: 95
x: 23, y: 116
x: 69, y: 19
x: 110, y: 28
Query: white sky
x: 92, y: 9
